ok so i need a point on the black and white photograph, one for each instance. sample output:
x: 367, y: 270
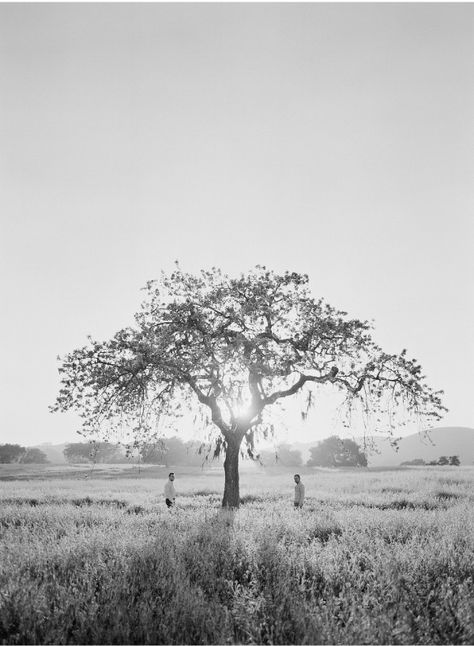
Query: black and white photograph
x: 237, y: 268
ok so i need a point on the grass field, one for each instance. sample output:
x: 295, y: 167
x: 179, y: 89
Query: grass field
x: 374, y: 557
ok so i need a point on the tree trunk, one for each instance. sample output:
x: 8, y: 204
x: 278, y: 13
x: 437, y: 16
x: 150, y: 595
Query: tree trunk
x: 231, y: 471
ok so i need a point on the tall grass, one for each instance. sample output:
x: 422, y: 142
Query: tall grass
x: 372, y: 558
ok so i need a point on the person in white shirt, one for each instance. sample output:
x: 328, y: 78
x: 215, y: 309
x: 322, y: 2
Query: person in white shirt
x: 299, y: 491
x: 170, y: 491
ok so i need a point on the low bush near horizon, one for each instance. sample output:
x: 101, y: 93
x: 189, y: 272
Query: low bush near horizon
x: 385, y: 558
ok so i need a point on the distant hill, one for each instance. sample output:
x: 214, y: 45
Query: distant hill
x: 451, y: 440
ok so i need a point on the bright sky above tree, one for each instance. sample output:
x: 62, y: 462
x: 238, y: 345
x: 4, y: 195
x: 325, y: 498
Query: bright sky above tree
x: 330, y: 139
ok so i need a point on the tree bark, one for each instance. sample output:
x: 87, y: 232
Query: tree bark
x: 231, y: 471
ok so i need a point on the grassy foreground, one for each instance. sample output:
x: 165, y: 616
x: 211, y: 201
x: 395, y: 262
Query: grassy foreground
x: 373, y: 558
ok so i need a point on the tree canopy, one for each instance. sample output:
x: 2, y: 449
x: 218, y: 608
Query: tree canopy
x: 103, y: 452
x: 11, y: 453
x: 34, y: 455
x: 335, y: 452
x: 25, y: 455
x: 236, y: 346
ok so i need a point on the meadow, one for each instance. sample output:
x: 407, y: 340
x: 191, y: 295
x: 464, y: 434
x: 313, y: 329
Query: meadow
x: 374, y: 557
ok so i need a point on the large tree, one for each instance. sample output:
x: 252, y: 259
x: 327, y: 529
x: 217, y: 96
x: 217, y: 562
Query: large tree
x: 235, y: 346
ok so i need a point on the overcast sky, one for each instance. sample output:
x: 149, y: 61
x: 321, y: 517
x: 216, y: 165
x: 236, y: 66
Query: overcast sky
x: 330, y: 139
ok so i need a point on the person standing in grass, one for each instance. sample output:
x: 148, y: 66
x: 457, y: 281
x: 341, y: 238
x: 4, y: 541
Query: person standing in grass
x: 170, y: 491
x: 299, y: 491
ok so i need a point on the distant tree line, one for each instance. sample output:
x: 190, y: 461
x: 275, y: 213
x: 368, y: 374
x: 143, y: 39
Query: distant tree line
x: 336, y: 452
x: 452, y: 460
x: 168, y: 451
x: 331, y: 452
x: 283, y: 454
x: 84, y: 452
x: 15, y: 453
x: 172, y: 451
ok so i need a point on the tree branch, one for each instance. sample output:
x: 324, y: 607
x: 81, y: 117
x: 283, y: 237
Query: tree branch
x: 211, y: 402
x: 330, y: 376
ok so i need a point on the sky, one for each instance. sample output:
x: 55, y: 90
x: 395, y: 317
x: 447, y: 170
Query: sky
x: 329, y: 139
